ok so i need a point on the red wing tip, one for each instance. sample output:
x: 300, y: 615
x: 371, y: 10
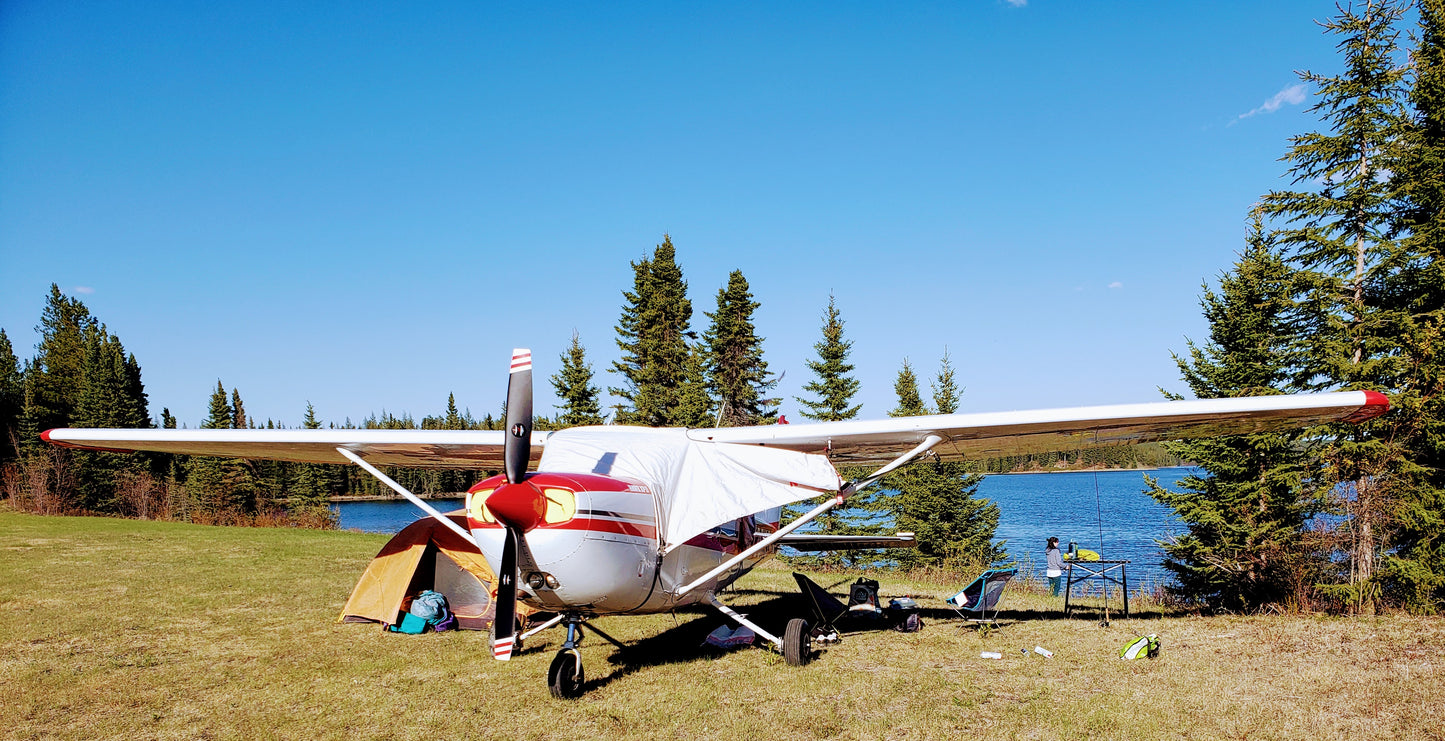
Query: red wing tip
x: 1375, y: 405
x: 46, y: 435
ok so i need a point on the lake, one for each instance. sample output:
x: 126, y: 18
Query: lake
x: 1032, y: 507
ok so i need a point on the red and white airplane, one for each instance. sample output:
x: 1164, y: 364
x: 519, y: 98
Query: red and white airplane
x: 631, y: 520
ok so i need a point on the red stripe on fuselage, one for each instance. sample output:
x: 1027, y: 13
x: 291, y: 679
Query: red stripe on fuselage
x: 588, y: 524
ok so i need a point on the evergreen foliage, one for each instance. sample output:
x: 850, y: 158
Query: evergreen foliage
x: 1247, y: 518
x: 220, y: 486
x: 1340, y: 245
x: 737, y: 374
x: 833, y: 388
x: 1413, y: 572
x: 12, y: 399
x: 655, y: 342
x: 935, y: 500
x: 573, y: 383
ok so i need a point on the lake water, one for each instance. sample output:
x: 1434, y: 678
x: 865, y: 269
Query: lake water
x: 1032, y: 507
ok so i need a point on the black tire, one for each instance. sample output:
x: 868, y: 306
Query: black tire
x: 564, y: 677
x: 797, y: 643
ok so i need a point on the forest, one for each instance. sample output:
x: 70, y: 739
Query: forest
x: 1338, y: 285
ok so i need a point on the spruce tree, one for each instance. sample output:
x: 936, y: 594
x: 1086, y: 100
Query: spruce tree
x: 12, y: 399
x: 936, y: 500
x: 238, y: 410
x: 310, y: 490
x: 221, y: 488
x: 833, y: 388
x: 737, y: 375
x: 59, y: 364
x: 1245, y: 547
x: 654, y: 339
x: 1338, y: 237
x: 1414, y: 571
x: 910, y: 402
x: 573, y: 384
x: 692, y: 407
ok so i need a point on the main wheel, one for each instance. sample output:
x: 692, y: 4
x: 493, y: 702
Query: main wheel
x: 564, y: 677
x: 797, y: 643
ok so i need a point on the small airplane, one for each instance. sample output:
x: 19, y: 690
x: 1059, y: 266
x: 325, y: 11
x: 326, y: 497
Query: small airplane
x: 619, y: 520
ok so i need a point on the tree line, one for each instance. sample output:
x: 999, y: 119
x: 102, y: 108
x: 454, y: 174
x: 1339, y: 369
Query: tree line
x: 1339, y: 285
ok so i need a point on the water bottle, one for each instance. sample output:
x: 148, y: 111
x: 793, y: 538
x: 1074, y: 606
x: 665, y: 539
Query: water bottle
x: 1044, y: 652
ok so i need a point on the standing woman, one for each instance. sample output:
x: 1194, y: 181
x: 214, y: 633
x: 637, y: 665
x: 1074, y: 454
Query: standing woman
x: 1055, y: 569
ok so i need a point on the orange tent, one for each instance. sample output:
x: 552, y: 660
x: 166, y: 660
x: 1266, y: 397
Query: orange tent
x: 426, y: 555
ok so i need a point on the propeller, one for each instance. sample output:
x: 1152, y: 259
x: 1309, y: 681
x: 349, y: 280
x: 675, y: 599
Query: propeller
x: 518, y: 505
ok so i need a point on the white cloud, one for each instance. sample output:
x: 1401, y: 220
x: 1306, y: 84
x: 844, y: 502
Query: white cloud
x: 1017, y: 3
x: 85, y: 290
x: 1116, y: 284
x: 1292, y: 95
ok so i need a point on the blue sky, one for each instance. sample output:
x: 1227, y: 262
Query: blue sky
x: 367, y: 205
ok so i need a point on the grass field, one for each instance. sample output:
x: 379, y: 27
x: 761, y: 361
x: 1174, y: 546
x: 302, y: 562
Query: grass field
x: 125, y: 629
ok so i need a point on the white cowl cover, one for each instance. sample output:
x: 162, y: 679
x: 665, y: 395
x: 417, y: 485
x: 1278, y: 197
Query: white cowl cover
x: 698, y: 485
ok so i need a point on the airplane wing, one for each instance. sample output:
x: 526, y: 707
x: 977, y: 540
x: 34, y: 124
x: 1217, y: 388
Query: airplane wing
x: 413, y: 448
x: 819, y: 542
x: 994, y: 434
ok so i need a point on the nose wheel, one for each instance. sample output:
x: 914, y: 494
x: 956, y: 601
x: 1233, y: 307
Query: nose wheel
x: 564, y: 677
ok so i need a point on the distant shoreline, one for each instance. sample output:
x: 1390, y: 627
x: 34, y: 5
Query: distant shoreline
x: 393, y: 498
x: 1086, y: 470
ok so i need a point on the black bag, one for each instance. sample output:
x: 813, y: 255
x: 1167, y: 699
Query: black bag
x: 911, y: 623
x: 863, y: 592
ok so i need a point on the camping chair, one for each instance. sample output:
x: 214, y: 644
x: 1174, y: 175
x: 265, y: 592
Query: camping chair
x: 826, y: 608
x: 981, y: 595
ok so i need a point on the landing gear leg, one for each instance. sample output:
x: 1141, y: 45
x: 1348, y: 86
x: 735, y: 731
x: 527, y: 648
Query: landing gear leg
x: 564, y: 677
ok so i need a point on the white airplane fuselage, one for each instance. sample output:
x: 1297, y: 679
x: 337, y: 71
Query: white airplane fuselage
x: 596, y: 548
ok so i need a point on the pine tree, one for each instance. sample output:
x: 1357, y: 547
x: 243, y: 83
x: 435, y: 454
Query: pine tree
x: 737, y: 375
x: 310, y: 490
x: 654, y: 339
x: 910, y: 403
x: 573, y: 384
x: 238, y: 410
x: 936, y: 500
x: 59, y: 365
x: 221, y: 488
x: 1245, y: 548
x: 12, y: 399
x: 1414, y: 571
x: 833, y: 387
x: 692, y: 407
x: 1338, y: 236
x: 945, y: 390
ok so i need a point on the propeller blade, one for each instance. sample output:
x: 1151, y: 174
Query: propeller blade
x: 505, y: 623
x: 518, y: 449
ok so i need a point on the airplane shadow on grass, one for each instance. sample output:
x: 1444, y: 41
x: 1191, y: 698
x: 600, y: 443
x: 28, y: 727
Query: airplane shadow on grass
x: 686, y: 641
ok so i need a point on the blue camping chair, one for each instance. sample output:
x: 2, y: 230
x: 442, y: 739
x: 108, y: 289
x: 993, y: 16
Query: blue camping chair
x: 981, y: 596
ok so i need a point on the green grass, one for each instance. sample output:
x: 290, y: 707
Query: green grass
x: 125, y: 629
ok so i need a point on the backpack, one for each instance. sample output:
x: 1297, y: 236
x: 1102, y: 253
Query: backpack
x: 430, y: 606
x: 911, y: 623
x: 1141, y: 647
x: 863, y: 595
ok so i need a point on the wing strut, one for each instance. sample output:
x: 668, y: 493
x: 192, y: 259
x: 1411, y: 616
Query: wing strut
x: 414, y: 499
x: 842, y: 496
